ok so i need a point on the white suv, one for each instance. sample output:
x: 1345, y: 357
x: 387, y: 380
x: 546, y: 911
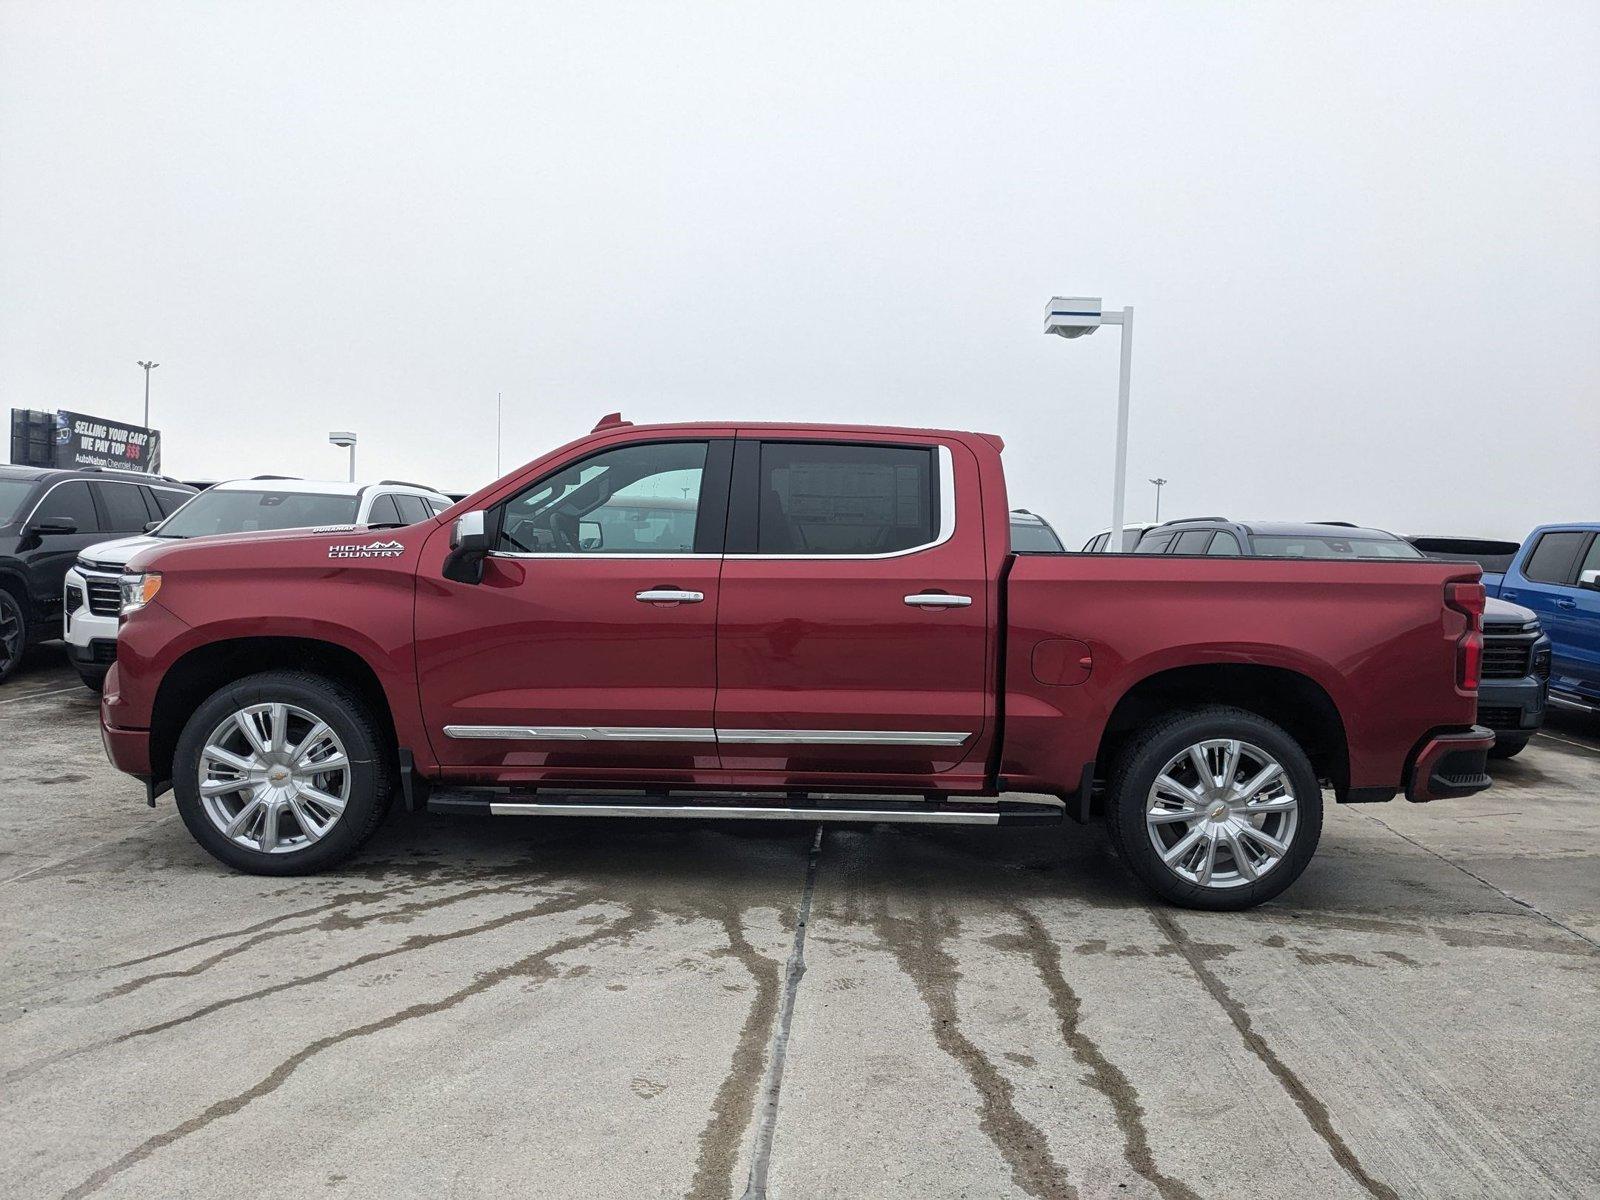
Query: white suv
x: 93, y: 593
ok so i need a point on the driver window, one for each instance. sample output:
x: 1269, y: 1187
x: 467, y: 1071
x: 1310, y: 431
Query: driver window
x: 640, y: 499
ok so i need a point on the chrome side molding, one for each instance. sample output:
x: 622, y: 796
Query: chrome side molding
x: 578, y: 733
x: 731, y: 737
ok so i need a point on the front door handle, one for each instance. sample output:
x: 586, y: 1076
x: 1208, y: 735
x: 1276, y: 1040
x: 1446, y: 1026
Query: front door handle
x: 938, y: 600
x: 1566, y: 604
x: 1507, y: 595
x: 668, y: 596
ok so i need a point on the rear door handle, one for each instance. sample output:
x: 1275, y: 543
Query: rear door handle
x: 938, y: 600
x: 668, y: 596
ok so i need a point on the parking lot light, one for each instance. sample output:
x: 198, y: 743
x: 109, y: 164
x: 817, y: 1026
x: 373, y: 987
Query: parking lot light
x: 346, y: 438
x: 1075, y: 316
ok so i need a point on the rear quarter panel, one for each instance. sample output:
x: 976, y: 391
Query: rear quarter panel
x: 1375, y: 636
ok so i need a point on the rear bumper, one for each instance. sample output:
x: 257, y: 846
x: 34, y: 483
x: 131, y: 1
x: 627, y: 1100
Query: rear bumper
x: 1451, y: 764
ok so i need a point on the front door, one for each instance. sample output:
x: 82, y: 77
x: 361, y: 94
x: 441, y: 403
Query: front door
x: 853, y: 629
x: 588, y: 650
x: 47, y: 556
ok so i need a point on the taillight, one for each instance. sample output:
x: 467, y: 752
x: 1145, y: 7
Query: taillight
x: 1469, y: 600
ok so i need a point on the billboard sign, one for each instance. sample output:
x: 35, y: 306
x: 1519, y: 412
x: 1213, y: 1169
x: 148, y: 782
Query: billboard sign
x: 85, y: 441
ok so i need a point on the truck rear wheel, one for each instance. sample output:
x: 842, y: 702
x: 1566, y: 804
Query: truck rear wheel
x: 1215, y: 808
x: 282, y: 773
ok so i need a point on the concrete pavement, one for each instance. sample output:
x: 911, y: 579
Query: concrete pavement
x: 590, y: 1008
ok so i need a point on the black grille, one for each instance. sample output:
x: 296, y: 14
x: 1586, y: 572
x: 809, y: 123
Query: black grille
x: 104, y: 649
x: 1500, y: 718
x: 1508, y: 628
x: 105, y: 597
x: 1505, y: 659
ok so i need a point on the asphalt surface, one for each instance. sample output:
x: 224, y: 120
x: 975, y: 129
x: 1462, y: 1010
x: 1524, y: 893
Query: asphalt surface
x: 591, y: 1009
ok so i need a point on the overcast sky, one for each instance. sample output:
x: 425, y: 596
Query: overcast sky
x: 1362, y: 241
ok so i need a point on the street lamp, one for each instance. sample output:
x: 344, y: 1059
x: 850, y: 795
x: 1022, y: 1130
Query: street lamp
x: 1075, y: 316
x: 148, y: 367
x: 346, y: 438
x: 1160, y: 483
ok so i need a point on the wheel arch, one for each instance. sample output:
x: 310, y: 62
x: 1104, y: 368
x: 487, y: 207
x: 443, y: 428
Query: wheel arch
x: 201, y: 671
x: 1282, y: 695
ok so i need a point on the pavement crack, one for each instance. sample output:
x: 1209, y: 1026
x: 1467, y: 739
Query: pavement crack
x: 918, y: 945
x: 332, y: 922
x: 410, y: 945
x: 1493, y: 887
x: 767, y: 1105
x: 1316, y: 1112
x: 1104, y: 1076
x: 529, y: 966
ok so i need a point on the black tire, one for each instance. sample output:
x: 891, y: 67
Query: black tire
x: 95, y: 681
x: 1507, y: 747
x: 371, y: 770
x: 13, y: 632
x: 1150, y: 749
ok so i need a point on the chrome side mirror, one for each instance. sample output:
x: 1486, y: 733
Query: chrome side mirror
x: 1590, y: 580
x: 470, y: 532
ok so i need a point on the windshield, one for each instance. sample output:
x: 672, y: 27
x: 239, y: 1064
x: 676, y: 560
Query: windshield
x: 245, y: 512
x: 1331, y: 546
x: 12, y: 493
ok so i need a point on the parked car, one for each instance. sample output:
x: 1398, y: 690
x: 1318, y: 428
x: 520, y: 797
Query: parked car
x: 1492, y: 554
x: 46, y: 518
x: 1099, y: 543
x: 1556, y: 573
x: 1272, y: 539
x: 1032, y: 534
x: 93, y: 589
x: 845, y: 618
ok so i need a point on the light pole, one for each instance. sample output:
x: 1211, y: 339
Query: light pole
x: 148, y: 367
x: 346, y: 438
x: 1160, y: 483
x: 497, y: 435
x: 1074, y: 316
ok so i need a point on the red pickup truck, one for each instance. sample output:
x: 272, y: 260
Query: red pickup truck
x: 786, y: 621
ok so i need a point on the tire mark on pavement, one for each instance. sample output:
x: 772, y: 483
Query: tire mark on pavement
x: 1105, y: 1076
x: 532, y: 966
x: 1316, y: 1112
x: 918, y: 944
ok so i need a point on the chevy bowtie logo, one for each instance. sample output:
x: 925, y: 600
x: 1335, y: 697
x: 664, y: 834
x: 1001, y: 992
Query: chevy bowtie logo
x: 366, y: 550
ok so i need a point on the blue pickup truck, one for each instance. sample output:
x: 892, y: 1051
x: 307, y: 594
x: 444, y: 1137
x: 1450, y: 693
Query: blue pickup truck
x: 1556, y: 573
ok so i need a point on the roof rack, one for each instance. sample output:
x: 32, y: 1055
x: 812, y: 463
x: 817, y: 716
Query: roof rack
x: 129, y: 471
x: 254, y: 477
x: 1341, y: 524
x: 421, y: 487
x: 1182, y: 520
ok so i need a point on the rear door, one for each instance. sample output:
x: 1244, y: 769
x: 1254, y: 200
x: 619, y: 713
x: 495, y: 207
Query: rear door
x: 853, y: 629
x: 1542, y: 581
x: 589, y: 647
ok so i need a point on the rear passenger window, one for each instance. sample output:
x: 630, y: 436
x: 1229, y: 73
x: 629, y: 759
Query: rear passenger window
x: 412, y: 508
x: 1553, y: 557
x: 1224, y: 543
x: 1192, y: 541
x: 123, y: 506
x: 383, y: 512
x: 1154, y: 543
x: 167, y: 501
x: 823, y: 498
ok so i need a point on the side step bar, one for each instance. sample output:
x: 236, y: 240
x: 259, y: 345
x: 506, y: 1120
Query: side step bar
x: 504, y: 802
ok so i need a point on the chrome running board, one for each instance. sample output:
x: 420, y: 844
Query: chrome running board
x: 710, y: 806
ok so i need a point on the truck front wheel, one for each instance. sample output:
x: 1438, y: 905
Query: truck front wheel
x: 282, y: 773
x: 1215, y: 808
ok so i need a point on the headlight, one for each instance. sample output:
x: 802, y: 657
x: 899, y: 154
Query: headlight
x: 139, y: 590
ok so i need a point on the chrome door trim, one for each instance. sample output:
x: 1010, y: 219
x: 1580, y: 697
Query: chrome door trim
x: 840, y: 737
x: 938, y: 600
x: 733, y: 737
x: 732, y: 812
x: 579, y: 733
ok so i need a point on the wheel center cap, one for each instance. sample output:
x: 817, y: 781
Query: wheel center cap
x: 1219, y: 811
x: 277, y: 774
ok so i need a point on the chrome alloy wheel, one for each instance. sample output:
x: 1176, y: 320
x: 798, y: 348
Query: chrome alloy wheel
x: 1222, y: 813
x: 274, y: 778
